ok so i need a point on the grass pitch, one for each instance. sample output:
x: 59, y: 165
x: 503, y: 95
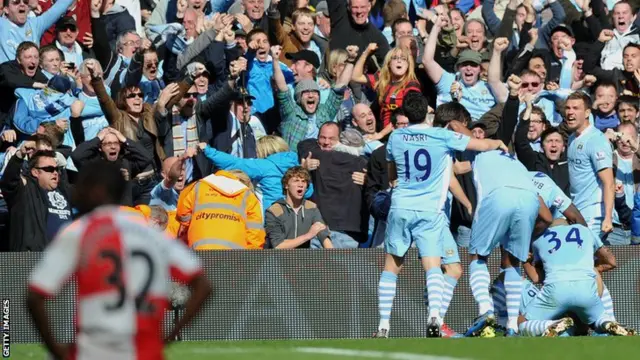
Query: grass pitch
x: 577, y: 348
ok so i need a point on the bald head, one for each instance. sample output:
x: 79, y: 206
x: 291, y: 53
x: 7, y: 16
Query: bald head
x: 363, y: 118
x: 167, y: 164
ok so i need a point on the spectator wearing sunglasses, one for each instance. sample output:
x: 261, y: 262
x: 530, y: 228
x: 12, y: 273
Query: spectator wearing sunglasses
x: 134, y: 119
x: 80, y: 12
x: 66, y: 39
x: 144, y: 70
x: 16, y: 27
x: 38, y: 202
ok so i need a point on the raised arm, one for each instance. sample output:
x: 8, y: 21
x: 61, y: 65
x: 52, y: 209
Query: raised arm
x: 278, y: 75
x: 434, y: 70
x: 347, y: 73
x: 358, y: 69
x: 495, y: 70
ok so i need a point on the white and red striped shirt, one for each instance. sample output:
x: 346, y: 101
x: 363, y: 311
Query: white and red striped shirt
x: 122, y: 267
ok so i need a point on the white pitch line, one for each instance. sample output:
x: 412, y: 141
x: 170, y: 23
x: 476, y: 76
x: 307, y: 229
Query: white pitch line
x: 373, y: 354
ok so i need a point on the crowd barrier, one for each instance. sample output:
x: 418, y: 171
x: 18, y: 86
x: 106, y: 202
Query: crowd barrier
x: 303, y: 294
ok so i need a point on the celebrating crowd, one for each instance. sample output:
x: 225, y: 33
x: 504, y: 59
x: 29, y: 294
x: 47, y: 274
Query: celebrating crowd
x: 254, y: 124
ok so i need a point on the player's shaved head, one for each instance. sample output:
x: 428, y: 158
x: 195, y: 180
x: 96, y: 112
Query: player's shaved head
x: 415, y: 107
x: 99, y: 183
x: 445, y: 113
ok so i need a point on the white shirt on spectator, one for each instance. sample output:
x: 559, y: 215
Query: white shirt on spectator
x: 611, y: 57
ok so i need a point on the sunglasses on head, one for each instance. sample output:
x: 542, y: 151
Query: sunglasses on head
x: 533, y: 84
x: 134, y: 95
x: 49, y: 169
x: 191, y: 95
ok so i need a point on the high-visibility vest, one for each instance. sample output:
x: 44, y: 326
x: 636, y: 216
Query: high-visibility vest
x: 145, y: 211
x: 221, y: 213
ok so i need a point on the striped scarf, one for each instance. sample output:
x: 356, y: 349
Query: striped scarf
x: 180, y: 144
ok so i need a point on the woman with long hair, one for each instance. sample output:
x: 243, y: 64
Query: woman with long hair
x: 392, y: 82
x: 132, y: 117
x: 274, y: 159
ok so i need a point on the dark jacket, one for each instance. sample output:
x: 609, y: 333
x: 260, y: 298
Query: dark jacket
x: 537, y: 161
x: 345, y: 32
x: 132, y: 157
x: 12, y: 78
x: 282, y: 223
x: 28, y: 208
x: 213, y: 110
x: 341, y: 202
x: 117, y: 20
x: 202, y: 166
x: 377, y: 174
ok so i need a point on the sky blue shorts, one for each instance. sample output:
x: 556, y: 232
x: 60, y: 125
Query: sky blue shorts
x: 428, y: 230
x: 558, y: 298
x: 506, y: 217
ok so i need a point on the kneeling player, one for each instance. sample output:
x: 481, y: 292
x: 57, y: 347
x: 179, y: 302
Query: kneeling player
x: 565, y: 254
x: 419, y: 158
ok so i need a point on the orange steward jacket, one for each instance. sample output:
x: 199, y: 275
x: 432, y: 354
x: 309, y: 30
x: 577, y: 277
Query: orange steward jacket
x: 221, y: 213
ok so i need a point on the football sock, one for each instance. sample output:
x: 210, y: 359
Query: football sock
x: 479, y: 279
x: 513, y: 289
x: 435, y: 284
x: 447, y: 294
x: 535, y: 327
x: 386, y: 293
x: 500, y: 303
x: 607, y: 302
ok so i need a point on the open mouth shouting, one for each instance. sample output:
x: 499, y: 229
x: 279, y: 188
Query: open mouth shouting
x: 310, y: 104
x: 262, y: 54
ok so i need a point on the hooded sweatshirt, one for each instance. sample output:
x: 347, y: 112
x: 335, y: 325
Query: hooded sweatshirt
x: 267, y: 173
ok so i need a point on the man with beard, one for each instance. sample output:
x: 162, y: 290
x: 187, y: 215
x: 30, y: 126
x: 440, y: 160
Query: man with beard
x: 302, y: 119
x: 473, y: 93
x: 17, y: 28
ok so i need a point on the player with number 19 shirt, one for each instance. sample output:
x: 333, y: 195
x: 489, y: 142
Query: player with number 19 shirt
x: 122, y: 267
x: 420, y: 158
x: 423, y: 164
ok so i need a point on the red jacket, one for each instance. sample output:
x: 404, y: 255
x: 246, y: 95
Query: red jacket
x: 81, y: 12
x: 452, y: 4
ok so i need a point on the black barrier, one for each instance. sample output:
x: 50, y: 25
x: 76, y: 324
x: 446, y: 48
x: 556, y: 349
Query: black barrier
x: 304, y: 294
